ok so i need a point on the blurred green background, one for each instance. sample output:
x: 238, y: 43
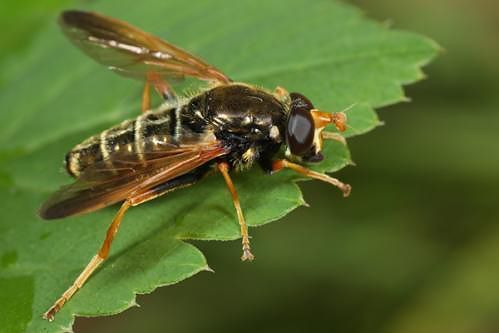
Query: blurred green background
x: 416, y: 246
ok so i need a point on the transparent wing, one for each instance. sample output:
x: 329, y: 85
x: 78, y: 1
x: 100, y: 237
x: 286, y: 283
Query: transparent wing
x: 132, y: 52
x: 121, y: 175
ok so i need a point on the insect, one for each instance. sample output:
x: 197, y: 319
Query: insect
x: 227, y: 126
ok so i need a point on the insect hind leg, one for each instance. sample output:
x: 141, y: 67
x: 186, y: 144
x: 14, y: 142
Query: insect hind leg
x: 94, y: 263
x: 136, y: 199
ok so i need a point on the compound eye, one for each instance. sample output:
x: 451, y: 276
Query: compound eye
x: 300, y: 131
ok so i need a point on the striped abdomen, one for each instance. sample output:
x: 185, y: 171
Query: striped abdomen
x: 147, y: 132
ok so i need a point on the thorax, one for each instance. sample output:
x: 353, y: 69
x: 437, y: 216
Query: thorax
x: 249, y: 120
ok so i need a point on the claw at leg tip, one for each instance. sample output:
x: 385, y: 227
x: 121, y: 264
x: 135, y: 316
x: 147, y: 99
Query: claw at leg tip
x: 48, y: 316
x: 346, y: 190
x: 247, y: 255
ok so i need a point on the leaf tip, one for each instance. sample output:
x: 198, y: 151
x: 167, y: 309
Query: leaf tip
x: 439, y: 49
x: 406, y: 99
x: 208, y: 269
x: 66, y: 329
x: 301, y: 200
x: 133, y: 303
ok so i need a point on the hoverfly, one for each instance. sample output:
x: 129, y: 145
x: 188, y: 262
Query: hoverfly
x: 227, y: 126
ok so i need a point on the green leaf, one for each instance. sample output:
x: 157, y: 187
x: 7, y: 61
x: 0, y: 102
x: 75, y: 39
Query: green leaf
x: 324, y: 49
x: 24, y: 18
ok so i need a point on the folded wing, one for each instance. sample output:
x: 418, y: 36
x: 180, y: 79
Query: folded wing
x: 132, y: 52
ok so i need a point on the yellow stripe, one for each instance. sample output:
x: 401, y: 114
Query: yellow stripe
x: 139, y: 138
x: 104, y: 149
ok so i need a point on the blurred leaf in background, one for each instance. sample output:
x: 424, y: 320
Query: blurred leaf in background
x: 452, y: 159
x: 20, y: 20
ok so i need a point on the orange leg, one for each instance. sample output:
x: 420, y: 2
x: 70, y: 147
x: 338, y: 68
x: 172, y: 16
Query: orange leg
x: 135, y: 200
x: 161, y: 87
x: 334, y: 136
x: 92, y: 265
x: 281, y: 164
x: 146, y: 97
x: 247, y: 255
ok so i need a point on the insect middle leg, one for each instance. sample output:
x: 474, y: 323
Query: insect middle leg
x: 247, y: 255
x: 281, y: 164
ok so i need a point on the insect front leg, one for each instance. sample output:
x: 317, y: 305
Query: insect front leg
x: 94, y: 263
x: 281, y: 164
x: 247, y: 255
x: 334, y: 136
